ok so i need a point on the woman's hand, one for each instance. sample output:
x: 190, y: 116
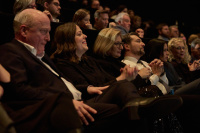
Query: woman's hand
x: 84, y: 111
x: 157, y: 67
x: 128, y: 73
x: 96, y: 90
x: 88, y: 26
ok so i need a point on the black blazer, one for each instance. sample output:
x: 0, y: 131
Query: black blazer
x: 34, y: 90
x: 86, y: 72
x: 184, y: 72
x: 30, y: 78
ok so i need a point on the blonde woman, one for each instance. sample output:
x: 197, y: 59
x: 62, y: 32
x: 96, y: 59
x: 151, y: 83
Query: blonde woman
x: 180, y: 58
x: 108, y: 50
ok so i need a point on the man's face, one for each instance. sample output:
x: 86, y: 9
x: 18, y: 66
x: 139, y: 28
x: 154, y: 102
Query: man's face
x: 126, y: 22
x: 38, y: 35
x: 174, y: 32
x: 102, y: 21
x: 54, y: 8
x: 196, y: 51
x: 95, y: 4
x: 165, y: 31
x: 137, y: 46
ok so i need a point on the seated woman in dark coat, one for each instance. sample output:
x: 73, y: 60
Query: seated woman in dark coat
x: 88, y: 77
x: 180, y: 59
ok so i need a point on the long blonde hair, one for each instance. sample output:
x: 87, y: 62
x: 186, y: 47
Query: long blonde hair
x: 172, y: 44
x: 105, y: 40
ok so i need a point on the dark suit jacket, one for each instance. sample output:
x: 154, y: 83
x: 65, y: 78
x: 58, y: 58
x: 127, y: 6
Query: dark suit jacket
x: 30, y: 78
x: 33, y: 90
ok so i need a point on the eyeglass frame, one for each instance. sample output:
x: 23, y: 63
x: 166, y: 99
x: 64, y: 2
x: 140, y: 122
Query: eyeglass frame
x: 119, y: 44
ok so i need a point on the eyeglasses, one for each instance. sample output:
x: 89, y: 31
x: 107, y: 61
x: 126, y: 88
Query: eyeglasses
x: 179, y: 48
x: 119, y: 44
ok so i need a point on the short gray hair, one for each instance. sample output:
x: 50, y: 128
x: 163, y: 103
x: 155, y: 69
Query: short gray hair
x: 25, y: 17
x: 195, y: 42
x: 120, y: 16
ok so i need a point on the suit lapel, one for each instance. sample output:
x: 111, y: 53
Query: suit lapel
x: 23, y: 48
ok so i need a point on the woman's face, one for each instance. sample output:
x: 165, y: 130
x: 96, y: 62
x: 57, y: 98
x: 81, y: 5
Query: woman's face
x: 116, y: 49
x: 81, y: 43
x: 165, y: 55
x: 179, y: 51
x: 85, y: 21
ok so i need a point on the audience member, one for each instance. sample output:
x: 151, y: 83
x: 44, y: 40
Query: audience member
x: 131, y: 13
x: 120, y: 9
x: 123, y: 23
x: 163, y: 31
x: 195, y: 50
x: 174, y: 31
x: 20, y: 5
x: 154, y: 71
x: 107, y: 8
x: 107, y: 50
x: 82, y: 18
x: 180, y: 59
x: 149, y: 28
x: 136, y: 22
x: 84, y: 4
x: 37, y: 95
x: 86, y: 74
x: 140, y: 32
x: 93, y: 6
x: 53, y: 7
x: 182, y: 35
x: 101, y: 19
x: 191, y: 38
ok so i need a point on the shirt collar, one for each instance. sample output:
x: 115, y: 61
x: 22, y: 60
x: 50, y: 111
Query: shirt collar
x: 130, y: 58
x: 55, y: 19
x: 32, y: 50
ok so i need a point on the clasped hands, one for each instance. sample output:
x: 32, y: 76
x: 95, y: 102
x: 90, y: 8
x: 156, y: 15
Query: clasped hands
x: 156, y: 68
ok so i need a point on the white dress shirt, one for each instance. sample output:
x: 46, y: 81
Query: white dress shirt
x: 154, y: 79
x: 76, y: 93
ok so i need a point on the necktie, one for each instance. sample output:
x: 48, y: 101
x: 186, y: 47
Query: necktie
x: 160, y: 80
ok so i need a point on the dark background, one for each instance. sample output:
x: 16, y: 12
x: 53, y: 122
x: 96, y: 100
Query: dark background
x: 186, y: 13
